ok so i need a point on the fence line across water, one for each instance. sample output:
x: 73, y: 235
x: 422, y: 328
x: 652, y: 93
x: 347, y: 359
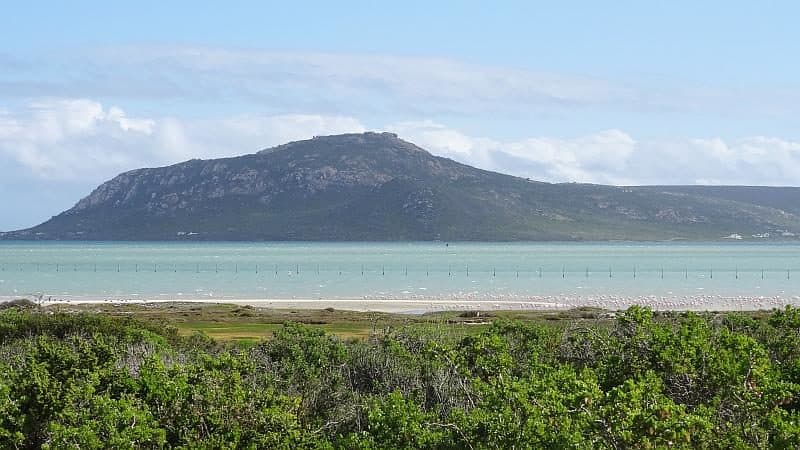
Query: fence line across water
x: 564, y: 271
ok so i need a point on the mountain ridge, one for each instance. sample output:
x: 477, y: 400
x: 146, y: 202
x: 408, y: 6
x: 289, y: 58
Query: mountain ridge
x: 376, y: 186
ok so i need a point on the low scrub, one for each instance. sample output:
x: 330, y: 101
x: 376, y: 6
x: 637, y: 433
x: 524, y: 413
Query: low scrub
x: 644, y: 381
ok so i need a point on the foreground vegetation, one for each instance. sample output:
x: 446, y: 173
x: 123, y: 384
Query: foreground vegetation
x: 640, y: 380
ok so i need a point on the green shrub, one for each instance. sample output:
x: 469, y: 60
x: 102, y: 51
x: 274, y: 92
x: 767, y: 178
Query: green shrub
x: 646, y: 381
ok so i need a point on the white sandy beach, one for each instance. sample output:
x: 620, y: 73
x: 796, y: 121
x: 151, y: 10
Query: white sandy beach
x: 423, y: 305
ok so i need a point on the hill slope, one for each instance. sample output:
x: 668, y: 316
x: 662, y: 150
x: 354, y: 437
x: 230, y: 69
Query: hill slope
x: 374, y: 186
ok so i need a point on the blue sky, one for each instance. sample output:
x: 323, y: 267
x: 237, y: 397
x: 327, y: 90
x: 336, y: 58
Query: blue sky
x: 608, y: 92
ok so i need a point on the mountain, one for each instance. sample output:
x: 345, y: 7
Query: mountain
x: 375, y: 186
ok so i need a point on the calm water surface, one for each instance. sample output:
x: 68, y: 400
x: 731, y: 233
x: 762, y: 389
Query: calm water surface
x: 394, y: 270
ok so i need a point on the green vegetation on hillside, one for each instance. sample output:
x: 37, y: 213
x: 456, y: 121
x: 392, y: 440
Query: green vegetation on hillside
x: 640, y: 380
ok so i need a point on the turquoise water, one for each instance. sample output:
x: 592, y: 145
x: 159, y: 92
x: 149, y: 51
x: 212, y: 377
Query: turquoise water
x: 394, y: 270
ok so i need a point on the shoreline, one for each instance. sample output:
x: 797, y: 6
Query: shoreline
x: 424, y: 305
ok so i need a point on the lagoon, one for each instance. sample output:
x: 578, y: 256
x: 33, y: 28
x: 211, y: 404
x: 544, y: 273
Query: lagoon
x: 398, y: 271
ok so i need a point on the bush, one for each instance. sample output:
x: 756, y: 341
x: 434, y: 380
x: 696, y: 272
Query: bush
x: 647, y: 381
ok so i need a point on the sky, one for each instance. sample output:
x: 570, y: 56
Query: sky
x: 623, y: 92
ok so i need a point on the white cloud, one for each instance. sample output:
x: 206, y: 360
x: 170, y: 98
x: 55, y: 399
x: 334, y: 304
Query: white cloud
x: 615, y: 157
x: 339, y: 75
x: 286, y: 81
x: 71, y: 139
x: 757, y: 160
x: 259, y: 132
x: 600, y: 157
x: 447, y: 142
x: 63, y: 138
x: 357, y: 83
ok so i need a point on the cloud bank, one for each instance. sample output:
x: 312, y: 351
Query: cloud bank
x: 69, y: 139
x: 304, y: 80
x: 616, y: 157
x: 350, y: 83
x: 81, y: 139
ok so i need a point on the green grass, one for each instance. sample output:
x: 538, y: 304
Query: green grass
x: 246, y: 323
x: 256, y: 331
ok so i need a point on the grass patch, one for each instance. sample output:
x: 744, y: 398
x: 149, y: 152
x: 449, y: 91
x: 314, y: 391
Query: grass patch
x: 246, y: 323
x: 257, y: 331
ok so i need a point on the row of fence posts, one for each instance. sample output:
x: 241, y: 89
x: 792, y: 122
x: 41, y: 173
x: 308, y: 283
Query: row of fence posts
x: 296, y: 270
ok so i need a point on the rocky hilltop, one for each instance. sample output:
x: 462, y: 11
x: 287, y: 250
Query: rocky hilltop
x: 375, y: 186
